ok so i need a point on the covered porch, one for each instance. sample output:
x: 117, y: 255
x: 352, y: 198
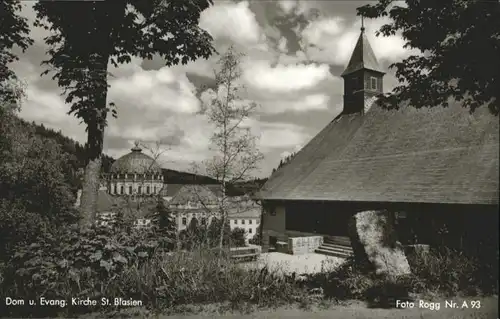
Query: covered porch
x: 302, y: 228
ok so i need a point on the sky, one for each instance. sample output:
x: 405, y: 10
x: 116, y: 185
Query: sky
x: 294, y: 52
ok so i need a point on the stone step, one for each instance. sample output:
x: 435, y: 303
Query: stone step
x: 337, y: 242
x: 337, y: 246
x: 337, y: 239
x: 331, y: 252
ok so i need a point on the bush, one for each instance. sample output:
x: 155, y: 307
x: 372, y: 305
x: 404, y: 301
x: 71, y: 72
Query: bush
x: 197, y: 236
x: 75, y: 264
x: 101, y: 263
x: 452, y: 272
x: 238, y: 237
x: 36, y: 196
x: 443, y: 272
x: 256, y: 239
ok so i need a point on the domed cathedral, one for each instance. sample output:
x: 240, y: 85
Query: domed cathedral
x: 135, y: 174
x: 134, y: 182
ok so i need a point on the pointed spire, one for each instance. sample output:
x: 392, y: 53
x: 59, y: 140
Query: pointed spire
x: 362, y: 56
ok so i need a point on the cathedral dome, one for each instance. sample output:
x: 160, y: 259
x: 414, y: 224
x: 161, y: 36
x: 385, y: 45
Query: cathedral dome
x: 135, y: 162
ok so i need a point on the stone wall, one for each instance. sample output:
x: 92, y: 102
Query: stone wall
x: 304, y: 245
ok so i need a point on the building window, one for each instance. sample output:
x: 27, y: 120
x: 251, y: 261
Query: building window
x: 122, y: 191
x: 147, y: 190
x: 273, y: 211
x: 250, y: 230
x: 243, y: 222
x: 250, y: 222
x: 236, y: 222
x: 401, y: 215
x: 115, y: 188
x: 373, y: 83
x: 139, y: 190
x: 130, y: 190
x: 204, y: 221
x: 154, y: 189
x: 184, y: 221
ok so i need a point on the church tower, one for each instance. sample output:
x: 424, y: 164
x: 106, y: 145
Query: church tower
x: 363, y: 77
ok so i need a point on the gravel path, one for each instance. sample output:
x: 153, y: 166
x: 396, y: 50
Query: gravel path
x: 307, y: 263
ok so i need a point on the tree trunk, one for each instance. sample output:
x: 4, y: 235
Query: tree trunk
x: 91, y: 179
x: 223, y: 213
x: 223, y: 223
x: 96, y: 122
x: 90, y: 188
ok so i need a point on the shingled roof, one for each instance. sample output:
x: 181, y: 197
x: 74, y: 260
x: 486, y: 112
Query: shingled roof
x: 362, y: 57
x: 194, y: 193
x: 107, y: 203
x: 438, y: 155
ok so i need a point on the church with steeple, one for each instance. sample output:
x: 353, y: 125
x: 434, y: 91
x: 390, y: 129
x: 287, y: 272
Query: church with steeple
x: 404, y: 161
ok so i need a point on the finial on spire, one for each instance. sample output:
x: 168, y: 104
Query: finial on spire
x: 362, y: 24
x: 136, y: 147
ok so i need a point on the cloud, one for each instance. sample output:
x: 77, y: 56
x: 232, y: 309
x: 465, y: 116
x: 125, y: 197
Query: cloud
x: 281, y: 135
x: 276, y: 135
x: 321, y: 30
x: 283, y: 78
x: 160, y: 89
x: 308, y: 103
x: 329, y: 40
x: 49, y: 108
x: 233, y: 21
x: 297, y: 148
x: 287, y: 6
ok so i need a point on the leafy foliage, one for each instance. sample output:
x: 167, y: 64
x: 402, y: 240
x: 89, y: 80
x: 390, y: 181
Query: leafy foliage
x: 460, y: 44
x: 102, y: 262
x: 164, y: 219
x: 238, y: 237
x: 235, y: 146
x: 442, y: 272
x: 70, y: 263
x: 36, y: 195
x: 14, y: 31
x: 451, y: 272
x: 257, y: 238
x: 197, y: 236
